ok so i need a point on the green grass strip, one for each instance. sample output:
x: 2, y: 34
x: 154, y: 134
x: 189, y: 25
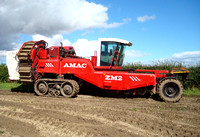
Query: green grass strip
x: 21, y: 87
x: 9, y: 86
x: 192, y: 92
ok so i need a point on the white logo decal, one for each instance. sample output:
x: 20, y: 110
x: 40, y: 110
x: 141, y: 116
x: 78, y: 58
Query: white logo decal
x: 111, y: 77
x: 134, y: 78
x: 50, y: 65
x: 75, y: 65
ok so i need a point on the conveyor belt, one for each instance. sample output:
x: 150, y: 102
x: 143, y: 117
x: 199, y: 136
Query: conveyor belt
x: 25, y: 63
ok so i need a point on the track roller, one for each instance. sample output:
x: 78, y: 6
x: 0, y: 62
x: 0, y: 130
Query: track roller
x: 54, y: 92
x: 51, y: 93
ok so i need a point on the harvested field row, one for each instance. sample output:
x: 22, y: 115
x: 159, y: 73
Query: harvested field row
x: 24, y: 114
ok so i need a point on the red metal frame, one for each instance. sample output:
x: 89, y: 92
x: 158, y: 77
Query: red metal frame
x: 102, y: 78
x: 158, y: 73
x: 113, y: 58
x: 105, y: 77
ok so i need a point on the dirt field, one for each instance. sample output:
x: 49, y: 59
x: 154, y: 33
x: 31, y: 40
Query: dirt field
x: 24, y: 114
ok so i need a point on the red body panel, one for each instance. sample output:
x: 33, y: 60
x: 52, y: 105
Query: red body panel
x: 48, y: 66
x: 53, y: 61
x: 54, y: 52
x: 83, y: 69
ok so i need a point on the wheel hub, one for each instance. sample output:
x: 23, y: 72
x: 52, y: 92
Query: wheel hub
x: 67, y: 89
x: 170, y: 91
x: 42, y: 87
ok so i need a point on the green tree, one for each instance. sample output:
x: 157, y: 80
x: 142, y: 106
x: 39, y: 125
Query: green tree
x: 3, y: 73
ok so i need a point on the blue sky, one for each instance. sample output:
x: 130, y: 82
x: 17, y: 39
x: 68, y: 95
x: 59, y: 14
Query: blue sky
x: 175, y: 29
x: 167, y: 29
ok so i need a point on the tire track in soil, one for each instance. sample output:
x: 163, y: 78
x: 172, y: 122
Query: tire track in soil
x: 44, y: 124
x: 33, y: 117
x: 56, y: 124
x: 122, y: 126
x: 97, y: 116
x: 142, y: 123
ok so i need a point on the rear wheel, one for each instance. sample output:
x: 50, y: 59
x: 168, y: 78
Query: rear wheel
x: 170, y: 90
x: 40, y: 87
x: 69, y: 88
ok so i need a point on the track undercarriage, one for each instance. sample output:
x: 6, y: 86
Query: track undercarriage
x: 56, y: 87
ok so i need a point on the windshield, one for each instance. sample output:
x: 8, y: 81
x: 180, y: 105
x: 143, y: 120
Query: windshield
x: 112, y: 53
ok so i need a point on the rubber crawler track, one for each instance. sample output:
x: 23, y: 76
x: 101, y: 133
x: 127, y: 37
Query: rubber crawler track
x: 72, y: 82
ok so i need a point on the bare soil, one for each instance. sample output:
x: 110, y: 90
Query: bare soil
x: 25, y: 114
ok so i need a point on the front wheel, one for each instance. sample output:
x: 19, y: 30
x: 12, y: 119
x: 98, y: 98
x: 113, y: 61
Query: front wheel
x: 170, y: 90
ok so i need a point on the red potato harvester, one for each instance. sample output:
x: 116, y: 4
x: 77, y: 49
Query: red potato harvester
x: 58, y: 71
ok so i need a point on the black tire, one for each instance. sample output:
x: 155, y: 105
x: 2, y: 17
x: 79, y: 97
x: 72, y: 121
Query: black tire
x: 70, y: 89
x: 170, y: 90
x: 41, y: 87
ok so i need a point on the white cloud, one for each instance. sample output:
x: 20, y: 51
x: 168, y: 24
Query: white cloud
x: 117, y: 24
x: 49, y: 18
x: 145, y: 18
x: 2, y: 53
x: 83, y: 47
x: 189, y: 57
x: 134, y: 56
x: 187, y: 54
x: 52, y: 41
x: 130, y: 54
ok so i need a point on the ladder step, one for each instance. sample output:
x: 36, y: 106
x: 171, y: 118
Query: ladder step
x: 23, y: 54
x: 25, y: 74
x: 26, y: 80
x: 24, y: 71
x: 27, y: 47
x: 25, y: 77
x: 24, y: 61
x: 25, y: 68
x: 30, y: 43
x: 22, y: 58
x: 24, y: 64
x: 25, y: 50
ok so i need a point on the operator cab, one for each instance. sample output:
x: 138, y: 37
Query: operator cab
x: 112, y: 51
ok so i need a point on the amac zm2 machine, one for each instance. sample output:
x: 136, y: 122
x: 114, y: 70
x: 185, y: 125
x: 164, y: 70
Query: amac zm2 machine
x: 58, y: 71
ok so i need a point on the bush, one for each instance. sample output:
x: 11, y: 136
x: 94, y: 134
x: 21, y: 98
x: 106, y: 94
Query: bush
x: 194, y: 77
x: 159, y: 65
x: 193, y: 81
x: 3, y: 73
